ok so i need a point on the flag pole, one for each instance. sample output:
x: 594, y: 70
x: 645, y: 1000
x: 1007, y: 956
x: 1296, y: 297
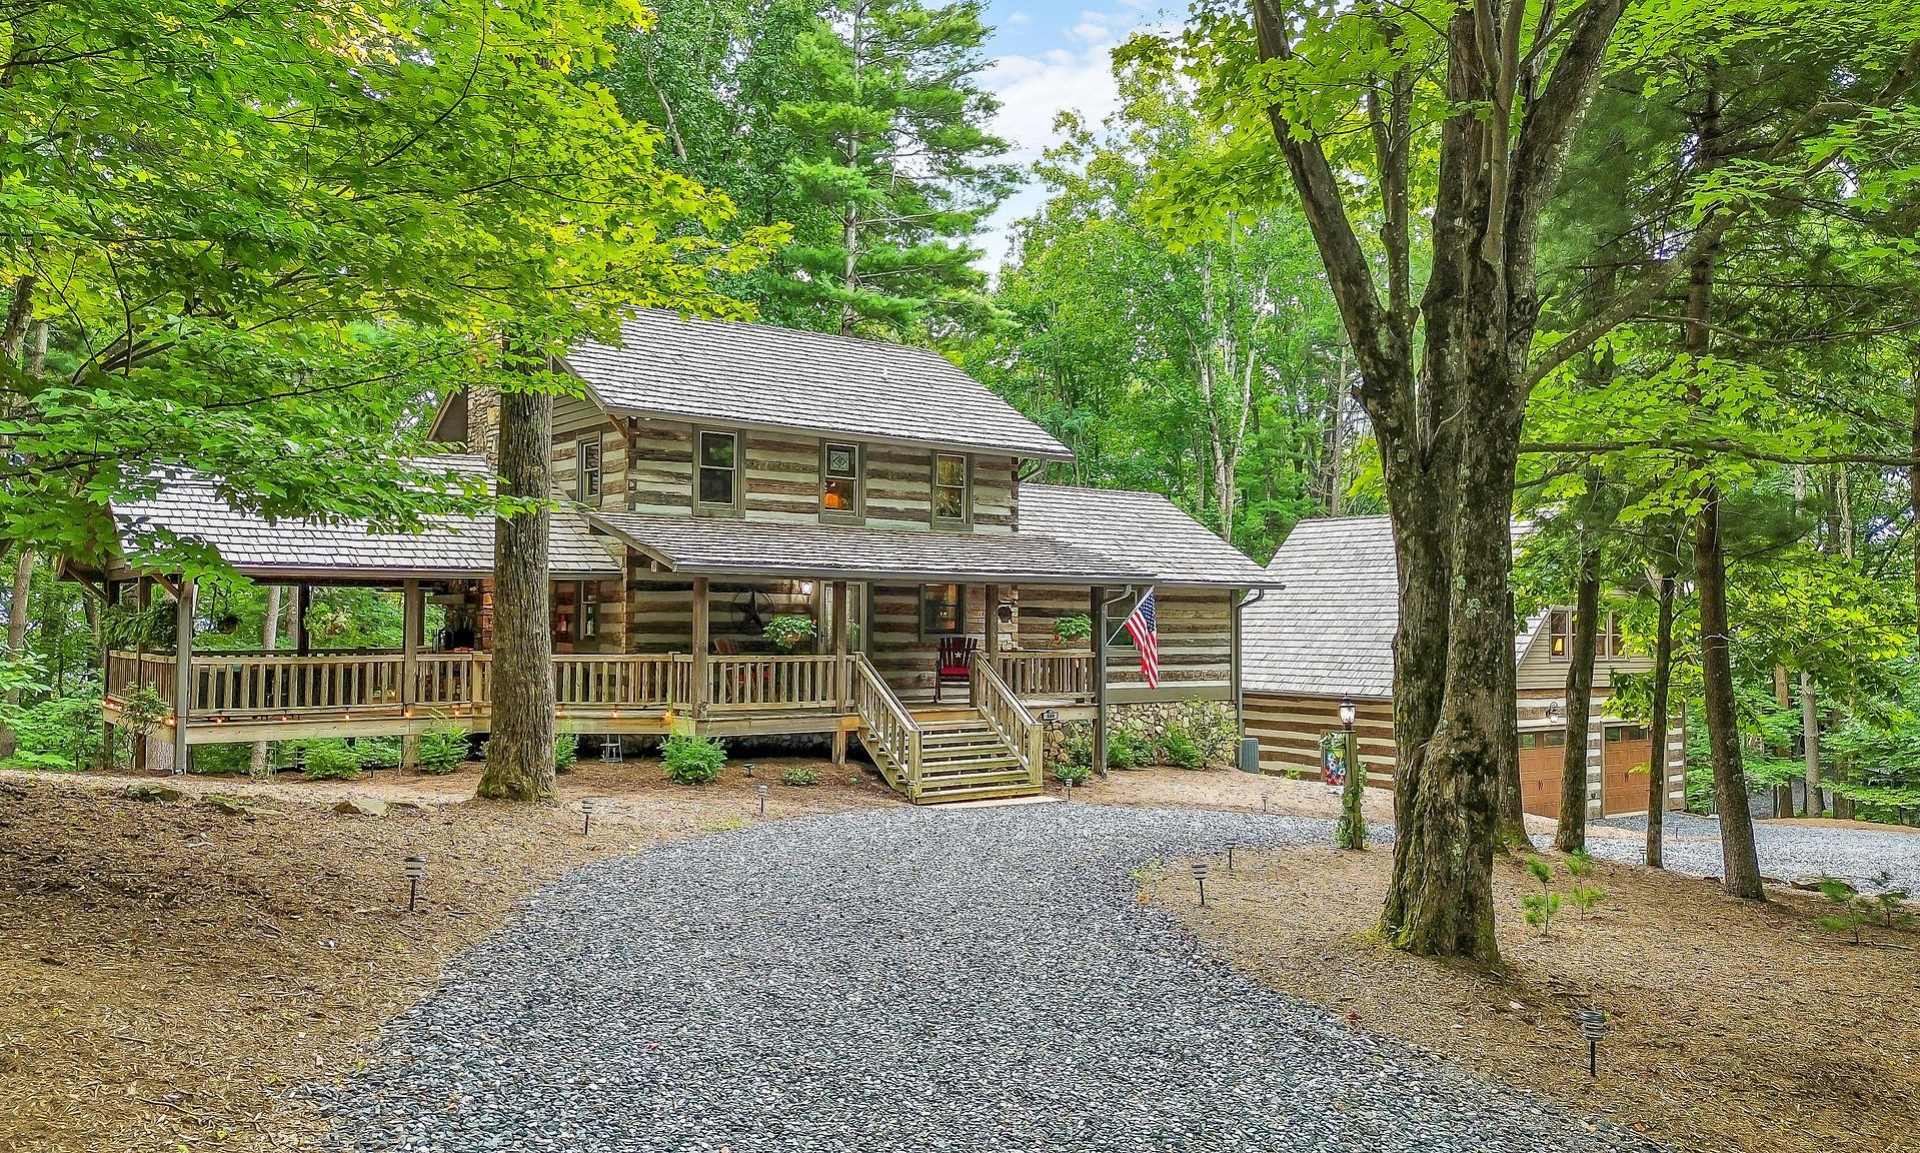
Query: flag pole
x: 1102, y: 641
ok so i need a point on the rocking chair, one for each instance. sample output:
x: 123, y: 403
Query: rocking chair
x: 955, y: 663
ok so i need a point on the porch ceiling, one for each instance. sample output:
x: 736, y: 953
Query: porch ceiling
x: 704, y: 546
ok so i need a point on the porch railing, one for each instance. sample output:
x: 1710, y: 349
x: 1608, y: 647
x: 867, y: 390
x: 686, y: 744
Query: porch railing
x: 1009, y: 718
x: 751, y: 684
x: 1047, y: 675
x: 890, y: 732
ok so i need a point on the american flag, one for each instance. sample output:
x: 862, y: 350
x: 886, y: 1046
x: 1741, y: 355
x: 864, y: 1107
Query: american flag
x: 1140, y: 624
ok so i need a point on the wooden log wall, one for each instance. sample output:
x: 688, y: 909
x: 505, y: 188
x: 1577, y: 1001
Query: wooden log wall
x: 1195, y: 626
x: 904, y: 658
x: 1289, y: 729
x: 660, y: 610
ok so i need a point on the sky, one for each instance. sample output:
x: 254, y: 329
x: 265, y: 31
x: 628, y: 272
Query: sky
x: 1049, y: 56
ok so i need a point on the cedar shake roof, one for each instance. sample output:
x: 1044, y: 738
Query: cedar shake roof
x: 755, y: 375
x: 1328, y: 632
x: 1143, y: 530
x: 190, y: 507
x: 703, y: 545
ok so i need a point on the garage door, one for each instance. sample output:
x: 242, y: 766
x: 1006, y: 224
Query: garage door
x: 1541, y: 755
x: 1629, y: 754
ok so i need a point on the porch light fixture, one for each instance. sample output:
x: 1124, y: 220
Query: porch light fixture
x: 1346, y: 713
x: 806, y: 588
x: 1554, y: 714
x: 416, y: 871
x: 1593, y: 1026
x: 1200, y: 880
x: 588, y: 806
x: 762, y: 790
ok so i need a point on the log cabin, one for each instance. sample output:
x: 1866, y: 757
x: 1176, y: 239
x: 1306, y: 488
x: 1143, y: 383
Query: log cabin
x: 1327, y: 636
x: 710, y: 478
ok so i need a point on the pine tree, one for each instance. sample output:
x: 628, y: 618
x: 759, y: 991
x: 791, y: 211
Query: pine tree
x: 889, y: 120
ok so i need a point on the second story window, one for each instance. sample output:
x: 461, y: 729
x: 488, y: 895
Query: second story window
x: 587, y: 458
x: 716, y: 481
x: 1559, y: 630
x: 952, y: 490
x: 840, y: 495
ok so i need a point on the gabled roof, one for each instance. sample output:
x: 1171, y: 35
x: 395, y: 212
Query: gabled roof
x: 700, y: 545
x: 1328, y: 632
x: 190, y: 507
x: 1143, y: 530
x: 756, y: 375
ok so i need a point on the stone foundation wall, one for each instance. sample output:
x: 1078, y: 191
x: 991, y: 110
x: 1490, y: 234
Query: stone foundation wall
x: 1210, y: 722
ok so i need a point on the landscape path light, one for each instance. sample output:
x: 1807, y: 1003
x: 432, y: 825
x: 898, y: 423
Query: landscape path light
x: 1200, y: 879
x: 1593, y: 1026
x: 762, y: 790
x: 588, y: 807
x: 416, y: 871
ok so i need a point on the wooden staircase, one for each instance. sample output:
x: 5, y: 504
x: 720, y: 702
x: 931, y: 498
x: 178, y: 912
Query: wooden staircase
x: 962, y: 758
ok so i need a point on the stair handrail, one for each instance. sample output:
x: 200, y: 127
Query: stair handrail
x: 1009, y: 717
x: 888, y: 723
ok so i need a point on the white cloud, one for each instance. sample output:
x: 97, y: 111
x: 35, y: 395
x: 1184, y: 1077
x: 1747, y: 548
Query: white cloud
x: 1034, y: 89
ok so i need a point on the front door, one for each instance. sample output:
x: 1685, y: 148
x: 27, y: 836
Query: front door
x: 856, y: 619
x: 1628, y: 759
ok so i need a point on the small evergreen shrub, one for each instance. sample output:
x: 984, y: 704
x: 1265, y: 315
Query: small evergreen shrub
x: 442, y: 750
x: 1178, y: 748
x: 800, y: 775
x: 383, y: 752
x: 1850, y: 911
x: 329, y: 759
x: 692, y: 760
x: 566, y: 751
x: 1128, y: 748
x: 1072, y: 772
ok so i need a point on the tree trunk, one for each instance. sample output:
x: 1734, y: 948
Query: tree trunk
x: 1739, y: 860
x: 269, y: 640
x: 1913, y: 486
x: 1662, y: 685
x: 1572, y: 831
x: 1810, y: 733
x: 520, y: 750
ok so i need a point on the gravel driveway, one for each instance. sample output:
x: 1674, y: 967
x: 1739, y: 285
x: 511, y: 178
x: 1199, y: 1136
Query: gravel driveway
x: 1691, y: 844
x: 904, y: 980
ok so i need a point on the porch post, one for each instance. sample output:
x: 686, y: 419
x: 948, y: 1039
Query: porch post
x: 1233, y: 666
x: 142, y: 600
x: 842, y: 679
x: 700, y: 641
x: 412, y: 622
x: 182, y: 671
x: 993, y: 623
x: 1100, y: 680
x: 302, y: 640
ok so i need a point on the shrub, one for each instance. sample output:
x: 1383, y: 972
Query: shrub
x: 1540, y: 908
x: 1073, y: 772
x: 799, y: 775
x: 329, y: 759
x: 566, y: 751
x: 1585, y: 897
x: 442, y: 750
x: 692, y: 760
x: 1178, y: 748
x: 1128, y: 748
x: 381, y: 751
x: 63, y: 734
x: 1211, y: 727
x: 789, y: 631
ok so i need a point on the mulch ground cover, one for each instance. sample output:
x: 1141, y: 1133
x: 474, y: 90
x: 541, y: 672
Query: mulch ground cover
x: 1731, y: 1024
x: 169, y: 970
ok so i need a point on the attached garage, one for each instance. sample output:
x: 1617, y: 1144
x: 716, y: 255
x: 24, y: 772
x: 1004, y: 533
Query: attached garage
x: 1326, y: 634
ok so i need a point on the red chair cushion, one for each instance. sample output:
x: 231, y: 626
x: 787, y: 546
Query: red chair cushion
x: 955, y: 670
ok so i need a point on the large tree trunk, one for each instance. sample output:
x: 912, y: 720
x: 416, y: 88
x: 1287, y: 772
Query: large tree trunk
x: 1662, y: 685
x: 1572, y: 831
x: 520, y: 750
x: 269, y: 640
x: 1810, y: 731
x: 1739, y: 859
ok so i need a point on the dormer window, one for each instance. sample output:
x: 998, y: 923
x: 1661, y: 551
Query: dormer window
x: 952, y: 490
x: 716, y: 481
x: 841, y: 482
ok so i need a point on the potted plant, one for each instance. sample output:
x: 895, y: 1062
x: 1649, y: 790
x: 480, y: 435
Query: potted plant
x: 1076, y: 629
x: 790, y: 632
